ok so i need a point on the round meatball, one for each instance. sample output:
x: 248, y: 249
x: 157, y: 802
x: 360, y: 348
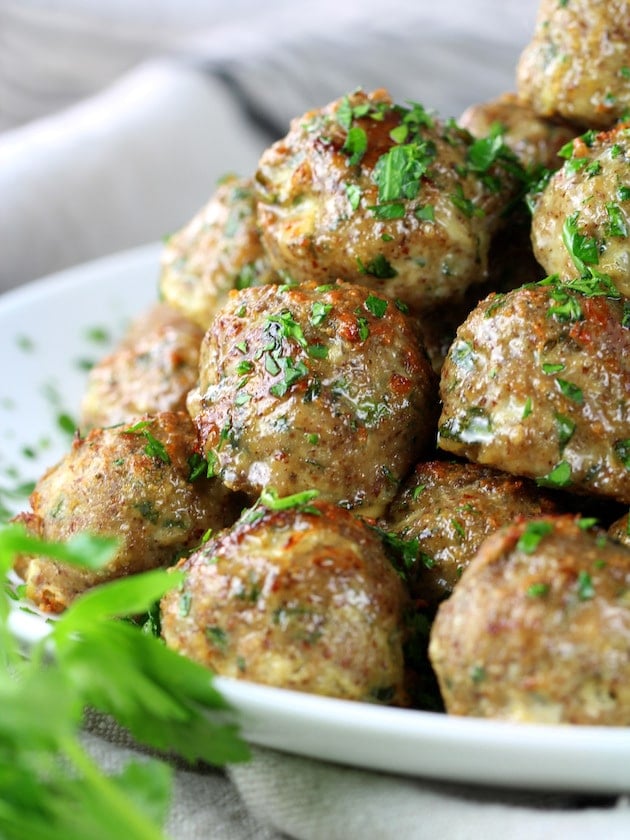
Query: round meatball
x: 218, y: 250
x: 152, y: 370
x: 136, y: 483
x: 537, y: 383
x: 301, y: 598
x: 576, y: 66
x: 535, y: 140
x: 449, y: 508
x: 620, y: 530
x: 538, y: 628
x: 382, y: 195
x: 324, y: 387
x: 581, y: 219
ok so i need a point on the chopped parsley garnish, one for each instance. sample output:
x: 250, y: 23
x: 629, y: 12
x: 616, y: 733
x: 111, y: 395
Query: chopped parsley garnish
x: 355, y: 145
x: 585, y: 588
x: 538, y: 590
x: 559, y: 476
x: 154, y: 448
x: 532, y: 534
x: 622, y: 451
x: 570, y: 391
x: 378, y: 267
x: 584, y: 250
x: 376, y: 305
x: 565, y: 428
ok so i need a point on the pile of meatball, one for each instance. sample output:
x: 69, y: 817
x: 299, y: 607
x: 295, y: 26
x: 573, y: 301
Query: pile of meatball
x: 380, y: 417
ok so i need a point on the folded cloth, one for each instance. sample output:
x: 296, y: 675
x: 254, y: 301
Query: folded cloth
x: 126, y: 166
x: 276, y: 795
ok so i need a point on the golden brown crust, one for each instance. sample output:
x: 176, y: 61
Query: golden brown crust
x: 300, y: 599
x: 538, y: 628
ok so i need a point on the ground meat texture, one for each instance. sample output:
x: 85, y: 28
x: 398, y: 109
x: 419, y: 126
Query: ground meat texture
x: 576, y: 66
x: 538, y: 628
x: 152, y: 370
x: 324, y: 387
x: 581, y: 219
x: 537, y: 383
x: 535, y: 140
x: 302, y: 598
x: 620, y: 530
x: 218, y: 250
x: 449, y: 508
x: 135, y: 483
x: 382, y: 195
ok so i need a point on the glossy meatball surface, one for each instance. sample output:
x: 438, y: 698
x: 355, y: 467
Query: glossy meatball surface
x: 581, y: 220
x: 302, y: 598
x: 324, y: 387
x: 537, y: 383
x: 620, y: 530
x: 450, y: 508
x: 538, y: 628
x: 133, y: 482
x: 152, y: 370
x: 383, y: 195
x: 218, y: 250
x: 576, y: 65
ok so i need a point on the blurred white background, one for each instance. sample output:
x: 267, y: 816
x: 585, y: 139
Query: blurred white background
x: 117, y: 118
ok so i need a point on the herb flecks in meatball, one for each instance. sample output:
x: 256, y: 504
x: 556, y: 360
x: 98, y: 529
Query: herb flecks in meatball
x: 134, y: 482
x: 537, y: 383
x: 314, y: 386
x: 581, y: 219
x: 538, y: 628
x: 386, y: 196
x: 301, y: 596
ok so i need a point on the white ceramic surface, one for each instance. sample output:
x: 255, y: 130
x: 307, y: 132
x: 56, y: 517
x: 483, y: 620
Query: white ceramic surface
x: 47, y: 330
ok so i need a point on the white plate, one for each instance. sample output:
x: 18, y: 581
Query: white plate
x: 46, y: 330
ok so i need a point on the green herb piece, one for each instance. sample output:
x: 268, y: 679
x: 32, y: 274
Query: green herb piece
x: 552, y: 367
x: 533, y: 533
x: 617, y: 225
x: 197, y: 467
x: 154, y: 448
x: 364, y: 328
x: 353, y: 193
x: 318, y: 351
x: 584, y: 250
x: 559, y: 476
x: 319, y: 312
x: 585, y: 588
x: 565, y: 428
x: 570, y: 391
x: 302, y: 501
x: 387, y: 212
x: 399, y: 171
x: 218, y: 637
x: 378, y: 267
x: 466, y: 205
x: 355, y: 145
x: 426, y: 213
x: 622, y: 451
x: 594, y: 284
x: 376, y: 305
x: 292, y: 371
x: 244, y: 367
x: 527, y: 408
x: 289, y: 327
x: 477, y: 674
x: 538, y: 590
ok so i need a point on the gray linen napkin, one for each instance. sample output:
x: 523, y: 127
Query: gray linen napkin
x: 277, y: 795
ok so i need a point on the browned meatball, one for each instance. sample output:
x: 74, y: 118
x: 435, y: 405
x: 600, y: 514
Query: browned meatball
x: 620, y: 530
x: 301, y: 598
x: 535, y: 140
x: 152, y: 370
x: 581, y: 219
x: 538, y: 628
x: 576, y: 66
x: 321, y: 387
x: 135, y: 483
x: 218, y: 250
x: 383, y: 195
x: 449, y: 508
x: 537, y: 383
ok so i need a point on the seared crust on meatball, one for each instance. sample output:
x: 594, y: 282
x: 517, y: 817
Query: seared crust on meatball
x: 535, y: 140
x: 314, y: 387
x: 450, y: 508
x: 152, y: 370
x: 133, y: 482
x: 302, y: 598
x: 218, y: 250
x: 620, y: 530
x: 581, y: 220
x: 382, y: 195
x: 538, y: 628
x: 575, y: 67
x: 537, y: 383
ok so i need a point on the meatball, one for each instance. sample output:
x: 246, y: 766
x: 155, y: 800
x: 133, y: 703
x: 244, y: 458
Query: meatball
x: 581, y: 218
x: 324, y: 387
x: 576, y: 66
x: 136, y: 483
x: 218, y: 250
x: 620, y: 530
x: 538, y: 628
x: 535, y: 140
x: 449, y: 508
x: 537, y: 383
x: 151, y: 370
x: 385, y: 196
x: 301, y: 598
